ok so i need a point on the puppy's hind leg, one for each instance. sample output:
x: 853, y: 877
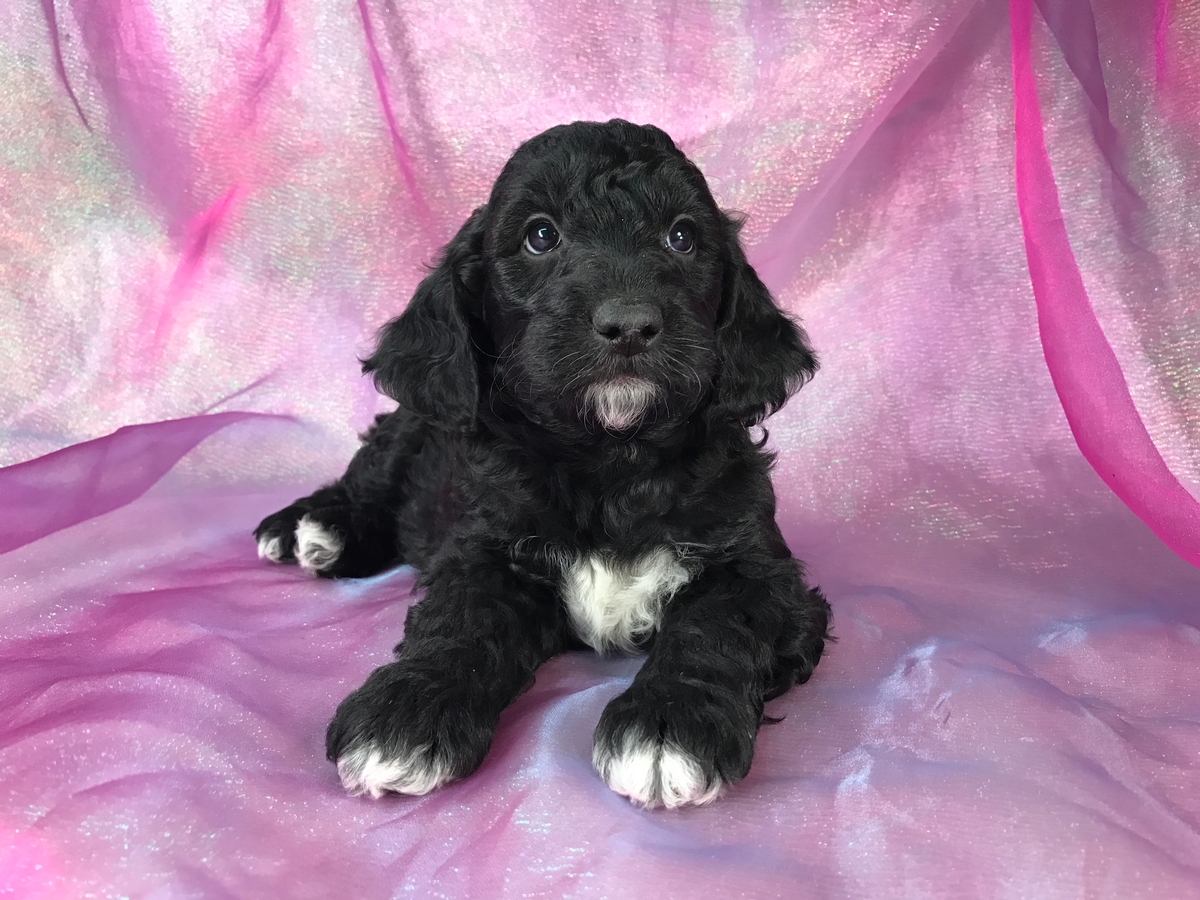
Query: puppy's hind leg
x: 347, y: 541
x: 276, y: 534
x: 348, y: 529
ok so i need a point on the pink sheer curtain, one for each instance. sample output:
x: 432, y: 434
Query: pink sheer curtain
x: 1086, y: 374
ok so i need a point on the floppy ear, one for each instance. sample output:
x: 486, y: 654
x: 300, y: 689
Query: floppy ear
x: 764, y: 356
x: 424, y: 358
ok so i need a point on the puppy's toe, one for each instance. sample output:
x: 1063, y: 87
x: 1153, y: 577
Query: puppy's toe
x: 317, y: 547
x: 652, y: 773
x: 673, y: 742
x: 371, y: 770
x: 270, y: 547
x: 275, y: 536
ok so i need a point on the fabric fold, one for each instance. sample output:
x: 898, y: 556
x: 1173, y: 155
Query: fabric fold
x: 68, y: 486
x: 1086, y: 374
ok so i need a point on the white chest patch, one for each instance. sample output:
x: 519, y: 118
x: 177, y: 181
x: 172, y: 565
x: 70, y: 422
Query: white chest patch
x: 612, y: 604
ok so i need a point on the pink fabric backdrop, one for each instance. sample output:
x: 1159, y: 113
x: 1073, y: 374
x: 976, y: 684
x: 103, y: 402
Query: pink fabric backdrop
x: 990, y: 233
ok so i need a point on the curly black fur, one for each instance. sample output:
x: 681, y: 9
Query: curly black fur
x: 502, y: 468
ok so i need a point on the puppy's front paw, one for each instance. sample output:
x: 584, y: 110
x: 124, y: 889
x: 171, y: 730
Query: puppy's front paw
x: 651, y: 772
x: 673, y: 745
x: 376, y: 770
x: 409, y: 732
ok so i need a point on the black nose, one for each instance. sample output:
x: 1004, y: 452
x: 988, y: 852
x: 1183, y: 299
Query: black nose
x: 630, y: 327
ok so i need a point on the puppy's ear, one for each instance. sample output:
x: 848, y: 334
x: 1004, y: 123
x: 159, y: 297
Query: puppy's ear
x: 424, y: 358
x: 765, y: 357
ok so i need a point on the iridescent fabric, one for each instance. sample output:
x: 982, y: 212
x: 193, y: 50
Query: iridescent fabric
x: 992, y: 236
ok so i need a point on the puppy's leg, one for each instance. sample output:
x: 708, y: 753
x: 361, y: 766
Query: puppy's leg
x: 332, y: 536
x: 276, y: 534
x: 470, y: 647
x: 686, y: 727
x: 348, y: 529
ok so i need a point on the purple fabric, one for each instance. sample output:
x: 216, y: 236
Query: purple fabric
x: 78, y: 483
x: 207, y: 210
x: 1162, y: 25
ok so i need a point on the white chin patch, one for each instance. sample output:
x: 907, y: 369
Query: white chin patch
x: 621, y: 404
x: 269, y: 548
x: 651, y: 774
x: 368, y: 771
x: 316, y: 547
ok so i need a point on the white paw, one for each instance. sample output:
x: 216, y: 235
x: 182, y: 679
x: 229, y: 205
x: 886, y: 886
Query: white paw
x: 368, y: 771
x: 651, y: 773
x: 269, y: 548
x: 316, y: 547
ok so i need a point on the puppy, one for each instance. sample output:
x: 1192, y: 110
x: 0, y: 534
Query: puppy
x: 571, y: 464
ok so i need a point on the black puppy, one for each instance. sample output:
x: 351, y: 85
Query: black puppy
x: 571, y: 462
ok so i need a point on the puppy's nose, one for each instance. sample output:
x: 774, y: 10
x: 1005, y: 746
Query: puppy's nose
x: 630, y: 327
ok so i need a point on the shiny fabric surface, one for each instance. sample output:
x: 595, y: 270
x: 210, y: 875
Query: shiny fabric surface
x: 207, y: 209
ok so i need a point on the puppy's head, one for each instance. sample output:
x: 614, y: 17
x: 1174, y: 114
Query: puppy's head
x: 600, y: 289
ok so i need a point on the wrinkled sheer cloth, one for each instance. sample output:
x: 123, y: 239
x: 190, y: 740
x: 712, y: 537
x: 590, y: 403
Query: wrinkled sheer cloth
x: 981, y: 211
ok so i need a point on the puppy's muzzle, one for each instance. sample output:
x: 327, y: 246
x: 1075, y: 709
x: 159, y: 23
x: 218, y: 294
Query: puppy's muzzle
x: 629, y: 327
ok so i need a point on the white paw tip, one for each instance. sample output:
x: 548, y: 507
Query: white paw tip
x: 270, y: 548
x: 653, y: 774
x: 317, y: 548
x: 367, y: 770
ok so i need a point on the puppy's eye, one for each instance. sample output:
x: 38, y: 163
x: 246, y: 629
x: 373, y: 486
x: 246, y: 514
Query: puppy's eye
x: 681, y: 238
x: 542, y: 237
